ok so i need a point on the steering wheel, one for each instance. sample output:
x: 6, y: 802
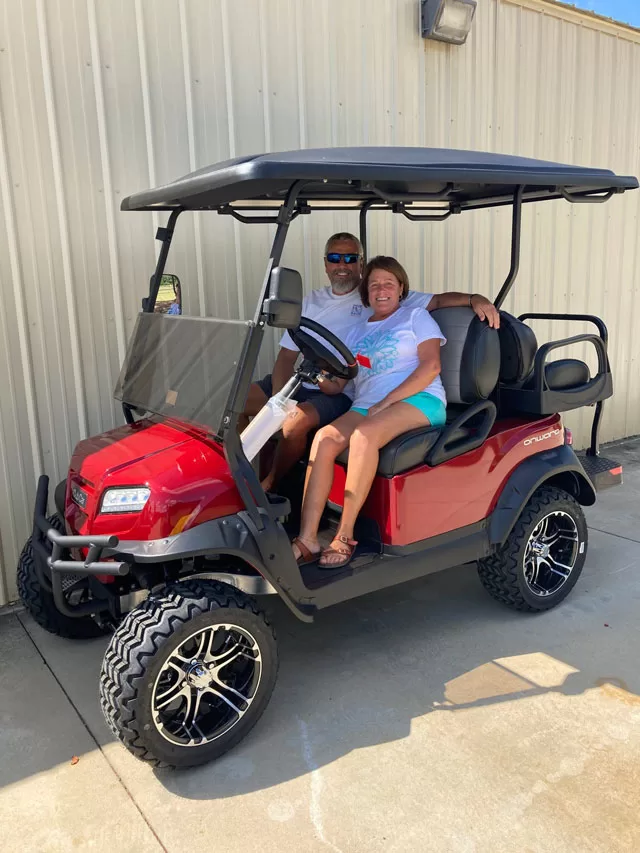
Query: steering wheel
x: 321, y: 357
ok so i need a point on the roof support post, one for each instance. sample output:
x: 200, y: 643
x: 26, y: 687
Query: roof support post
x: 165, y: 235
x: 363, y: 226
x: 516, y: 224
x: 249, y: 356
x: 257, y: 504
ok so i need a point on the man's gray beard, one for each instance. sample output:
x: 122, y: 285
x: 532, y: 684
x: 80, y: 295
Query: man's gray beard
x: 343, y: 286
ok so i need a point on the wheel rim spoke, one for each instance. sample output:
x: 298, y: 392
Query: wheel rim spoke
x: 171, y: 694
x: 204, y: 644
x: 220, y: 693
x: 232, y: 655
x: 191, y: 711
x: 533, y: 576
x: 559, y: 568
x: 543, y: 532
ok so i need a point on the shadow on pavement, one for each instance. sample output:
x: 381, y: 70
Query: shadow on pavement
x: 367, y: 670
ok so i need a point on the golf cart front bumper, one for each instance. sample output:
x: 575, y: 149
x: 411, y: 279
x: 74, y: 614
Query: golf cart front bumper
x: 54, y: 568
x: 110, y: 558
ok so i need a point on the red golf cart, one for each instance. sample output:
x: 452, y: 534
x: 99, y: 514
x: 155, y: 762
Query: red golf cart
x: 162, y: 533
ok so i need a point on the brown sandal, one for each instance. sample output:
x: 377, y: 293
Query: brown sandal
x: 346, y: 549
x: 306, y: 555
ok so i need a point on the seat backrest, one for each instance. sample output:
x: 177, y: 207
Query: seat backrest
x: 518, y: 347
x: 470, y: 358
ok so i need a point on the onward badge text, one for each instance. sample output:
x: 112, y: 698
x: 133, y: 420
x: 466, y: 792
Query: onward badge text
x: 535, y: 438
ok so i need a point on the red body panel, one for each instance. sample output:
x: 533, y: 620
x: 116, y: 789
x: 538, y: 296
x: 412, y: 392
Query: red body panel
x: 425, y: 501
x: 184, y: 467
x: 190, y: 481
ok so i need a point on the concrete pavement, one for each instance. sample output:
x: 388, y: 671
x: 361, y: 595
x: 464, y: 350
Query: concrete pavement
x: 423, y: 718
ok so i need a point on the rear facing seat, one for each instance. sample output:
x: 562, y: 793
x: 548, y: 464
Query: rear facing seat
x: 531, y: 384
x: 470, y: 368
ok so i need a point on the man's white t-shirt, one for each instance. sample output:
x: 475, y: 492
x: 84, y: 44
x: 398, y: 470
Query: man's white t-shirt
x: 340, y: 313
x: 387, y: 353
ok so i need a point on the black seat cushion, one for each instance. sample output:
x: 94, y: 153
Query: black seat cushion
x: 403, y: 452
x: 471, y: 357
x: 518, y: 347
x: 562, y: 374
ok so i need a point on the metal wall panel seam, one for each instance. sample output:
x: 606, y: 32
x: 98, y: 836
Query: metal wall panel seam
x: 146, y: 110
x: 21, y: 312
x: 4, y: 586
x: 395, y: 12
x: 29, y: 346
x: 193, y: 164
x: 614, y: 351
x: 422, y: 96
x: 332, y: 65
x: 302, y: 124
x: 624, y: 297
x: 63, y: 223
x: 264, y: 70
x: 226, y: 47
x: 80, y: 187
x: 105, y: 166
x: 11, y: 525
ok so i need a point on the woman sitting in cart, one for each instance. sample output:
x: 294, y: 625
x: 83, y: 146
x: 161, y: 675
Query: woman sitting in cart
x: 398, y: 388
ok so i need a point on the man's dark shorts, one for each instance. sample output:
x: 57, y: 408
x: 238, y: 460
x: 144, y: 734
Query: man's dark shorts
x: 328, y: 406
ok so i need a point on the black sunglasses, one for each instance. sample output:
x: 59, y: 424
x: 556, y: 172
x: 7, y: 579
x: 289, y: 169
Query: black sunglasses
x: 336, y: 257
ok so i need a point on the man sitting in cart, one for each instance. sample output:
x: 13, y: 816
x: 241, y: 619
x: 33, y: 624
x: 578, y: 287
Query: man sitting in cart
x: 336, y: 306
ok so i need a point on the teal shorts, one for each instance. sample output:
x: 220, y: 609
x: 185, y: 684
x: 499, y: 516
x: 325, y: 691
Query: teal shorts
x: 430, y: 406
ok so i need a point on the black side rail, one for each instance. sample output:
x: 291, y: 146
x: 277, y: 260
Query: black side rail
x: 545, y: 349
x: 585, y: 318
x: 455, y: 439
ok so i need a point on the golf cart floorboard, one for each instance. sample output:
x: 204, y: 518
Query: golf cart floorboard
x: 366, y: 555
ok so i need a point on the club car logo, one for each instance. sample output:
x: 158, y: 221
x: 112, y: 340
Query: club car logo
x: 536, y: 438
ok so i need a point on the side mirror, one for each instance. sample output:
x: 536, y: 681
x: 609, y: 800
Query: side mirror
x: 169, y: 298
x: 283, y: 307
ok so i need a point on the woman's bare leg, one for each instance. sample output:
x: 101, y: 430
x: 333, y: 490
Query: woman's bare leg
x: 328, y: 444
x: 364, y: 447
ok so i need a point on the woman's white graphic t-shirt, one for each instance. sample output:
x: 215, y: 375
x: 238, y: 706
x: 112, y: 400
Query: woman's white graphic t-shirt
x: 340, y: 314
x: 387, y: 353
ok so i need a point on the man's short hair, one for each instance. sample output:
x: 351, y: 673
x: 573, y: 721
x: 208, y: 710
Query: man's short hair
x: 343, y: 235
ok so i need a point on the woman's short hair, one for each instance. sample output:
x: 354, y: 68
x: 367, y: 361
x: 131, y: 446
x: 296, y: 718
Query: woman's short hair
x: 383, y: 262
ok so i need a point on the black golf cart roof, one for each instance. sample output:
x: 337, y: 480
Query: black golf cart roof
x: 459, y: 179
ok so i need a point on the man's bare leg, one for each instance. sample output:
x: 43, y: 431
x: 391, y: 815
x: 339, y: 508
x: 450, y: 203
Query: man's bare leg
x: 293, y: 443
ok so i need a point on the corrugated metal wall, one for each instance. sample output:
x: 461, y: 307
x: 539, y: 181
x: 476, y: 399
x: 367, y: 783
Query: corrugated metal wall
x: 100, y: 99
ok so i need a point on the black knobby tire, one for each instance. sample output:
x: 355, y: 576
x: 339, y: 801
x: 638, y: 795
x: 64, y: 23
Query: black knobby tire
x: 144, y: 642
x: 503, y: 573
x: 40, y: 604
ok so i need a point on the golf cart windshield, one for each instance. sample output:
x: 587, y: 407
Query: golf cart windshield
x: 182, y: 367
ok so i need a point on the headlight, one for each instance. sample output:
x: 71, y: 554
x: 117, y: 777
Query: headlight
x: 124, y: 500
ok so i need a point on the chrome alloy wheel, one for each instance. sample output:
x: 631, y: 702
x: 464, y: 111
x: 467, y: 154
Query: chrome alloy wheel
x: 206, y: 685
x: 551, y: 553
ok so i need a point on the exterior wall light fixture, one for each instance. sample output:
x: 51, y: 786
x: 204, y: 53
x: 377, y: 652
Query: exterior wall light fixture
x: 447, y: 20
